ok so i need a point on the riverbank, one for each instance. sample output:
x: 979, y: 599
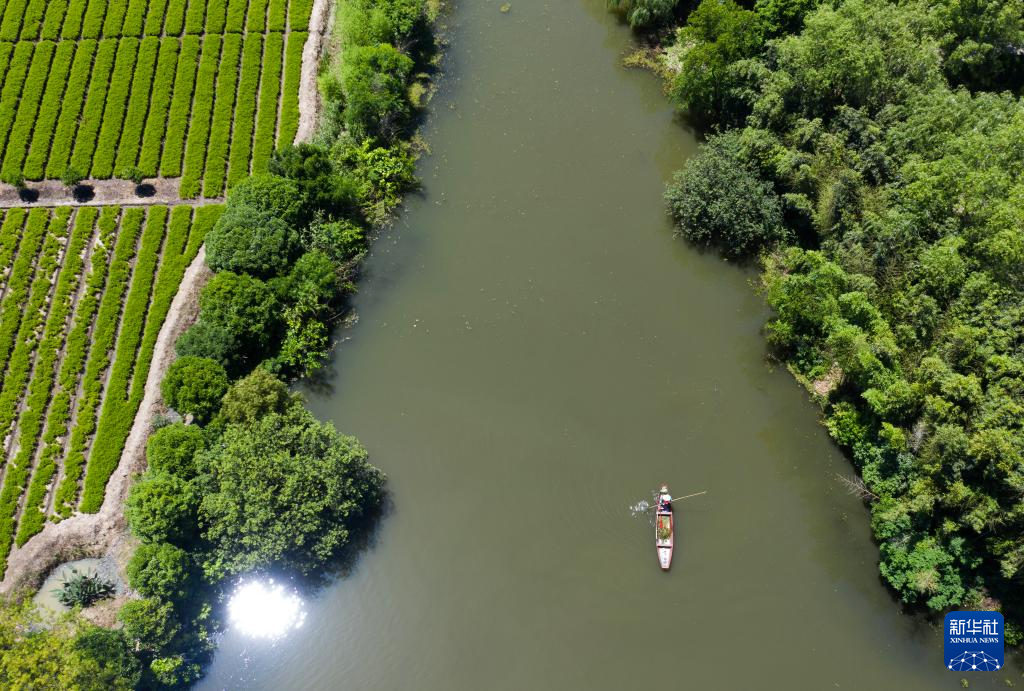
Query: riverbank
x: 894, y: 280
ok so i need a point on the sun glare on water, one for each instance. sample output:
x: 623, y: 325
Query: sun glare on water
x: 263, y: 609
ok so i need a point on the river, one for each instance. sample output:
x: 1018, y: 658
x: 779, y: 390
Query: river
x: 534, y: 353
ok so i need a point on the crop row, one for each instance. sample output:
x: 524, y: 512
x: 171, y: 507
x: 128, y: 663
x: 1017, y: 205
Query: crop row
x: 18, y: 282
x: 270, y: 90
x: 84, y: 345
x: 199, y: 125
x: 245, y: 112
x: 123, y: 397
x: 103, y: 337
x: 75, y: 347
x: 40, y: 391
x: 30, y: 20
x: 38, y: 397
x: 115, y: 414
x: 19, y: 366
x: 292, y: 75
x: 220, y: 129
x: 138, y: 109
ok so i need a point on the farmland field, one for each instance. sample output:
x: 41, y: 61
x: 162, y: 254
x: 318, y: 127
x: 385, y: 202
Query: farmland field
x: 199, y: 92
x: 85, y: 293
x: 171, y: 87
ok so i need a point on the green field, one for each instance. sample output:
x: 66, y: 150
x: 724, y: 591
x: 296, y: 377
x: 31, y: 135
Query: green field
x: 168, y: 86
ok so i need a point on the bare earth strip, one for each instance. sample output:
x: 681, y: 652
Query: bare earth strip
x: 106, y: 193
x: 105, y: 531
x: 309, y: 94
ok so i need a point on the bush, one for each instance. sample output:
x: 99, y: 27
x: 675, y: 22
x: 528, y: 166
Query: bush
x: 159, y: 570
x: 272, y: 194
x: 194, y: 385
x: 374, y: 80
x: 162, y: 508
x: 258, y: 394
x: 249, y: 240
x: 83, y: 589
x: 172, y: 450
x: 212, y: 341
x: 148, y: 623
x: 717, y: 200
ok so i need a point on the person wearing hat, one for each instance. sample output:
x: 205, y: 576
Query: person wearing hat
x: 666, y: 499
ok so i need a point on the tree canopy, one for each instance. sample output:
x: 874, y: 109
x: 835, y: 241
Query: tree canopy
x: 860, y: 156
x: 283, y: 490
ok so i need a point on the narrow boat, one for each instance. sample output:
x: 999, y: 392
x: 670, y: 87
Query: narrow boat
x: 664, y: 529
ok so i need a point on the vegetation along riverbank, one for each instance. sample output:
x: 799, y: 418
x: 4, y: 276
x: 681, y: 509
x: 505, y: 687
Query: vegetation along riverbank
x: 868, y: 154
x: 240, y: 477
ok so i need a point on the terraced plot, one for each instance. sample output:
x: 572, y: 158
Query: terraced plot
x: 84, y: 294
x: 196, y: 89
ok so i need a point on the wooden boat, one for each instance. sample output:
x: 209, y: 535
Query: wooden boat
x: 664, y: 525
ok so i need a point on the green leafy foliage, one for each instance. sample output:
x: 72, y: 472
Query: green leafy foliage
x: 159, y: 570
x: 718, y: 200
x: 283, y: 490
x: 194, y: 385
x: 247, y: 239
x: 162, y: 508
x: 894, y: 259
x: 62, y: 652
x: 645, y: 13
x: 172, y: 449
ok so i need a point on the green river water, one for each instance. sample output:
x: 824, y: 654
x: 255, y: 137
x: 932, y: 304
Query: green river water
x: 534, y: 353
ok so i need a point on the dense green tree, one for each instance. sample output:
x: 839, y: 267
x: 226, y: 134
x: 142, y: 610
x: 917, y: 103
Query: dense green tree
x: 159, y: 570
x: 780, y: 17
x: 717, y: 34
x: 38, y: 652
x: 244, y: 306
x: 340, y: 240
x: 374, y: 82
x: 645, y: 13
x: 283, y: 491
x: 212, y: 341
x: 246, y: 239
x: 862, y: 54
x: 162, y: 508
x: 255, y: 396
x: 717, y: 200
x: 149, y: 623
x: 272, y: 194
x: 172, y: 449
x: 194, y: 385
x: 111, y: 653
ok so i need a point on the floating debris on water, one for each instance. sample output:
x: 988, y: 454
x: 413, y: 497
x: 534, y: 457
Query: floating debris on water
x: 506, y: 7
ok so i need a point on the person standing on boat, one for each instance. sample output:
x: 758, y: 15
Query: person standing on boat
x: 665, y: 499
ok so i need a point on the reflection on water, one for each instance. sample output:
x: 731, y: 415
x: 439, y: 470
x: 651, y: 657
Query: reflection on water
x: 263, y: 609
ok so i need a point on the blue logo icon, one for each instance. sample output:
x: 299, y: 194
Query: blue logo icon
x: 974, y: 641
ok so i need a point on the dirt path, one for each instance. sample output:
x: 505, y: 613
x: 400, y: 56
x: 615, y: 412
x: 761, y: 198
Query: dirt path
x: 104, y: 193
x: 95, y: 533
x: 309, y: 94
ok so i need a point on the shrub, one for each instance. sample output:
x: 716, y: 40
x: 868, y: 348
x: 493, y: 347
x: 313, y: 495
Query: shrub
x: 248, y: 240
x: 83, y: 589
x: 717, y: 200
x: 172, y: 449
x: 374, y: 80
x: 148, y: 623
x: 254, y: 396
x: 194, y: 385
x: 213, y: 341
x: 159, y: 570
x: 162, y: 508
